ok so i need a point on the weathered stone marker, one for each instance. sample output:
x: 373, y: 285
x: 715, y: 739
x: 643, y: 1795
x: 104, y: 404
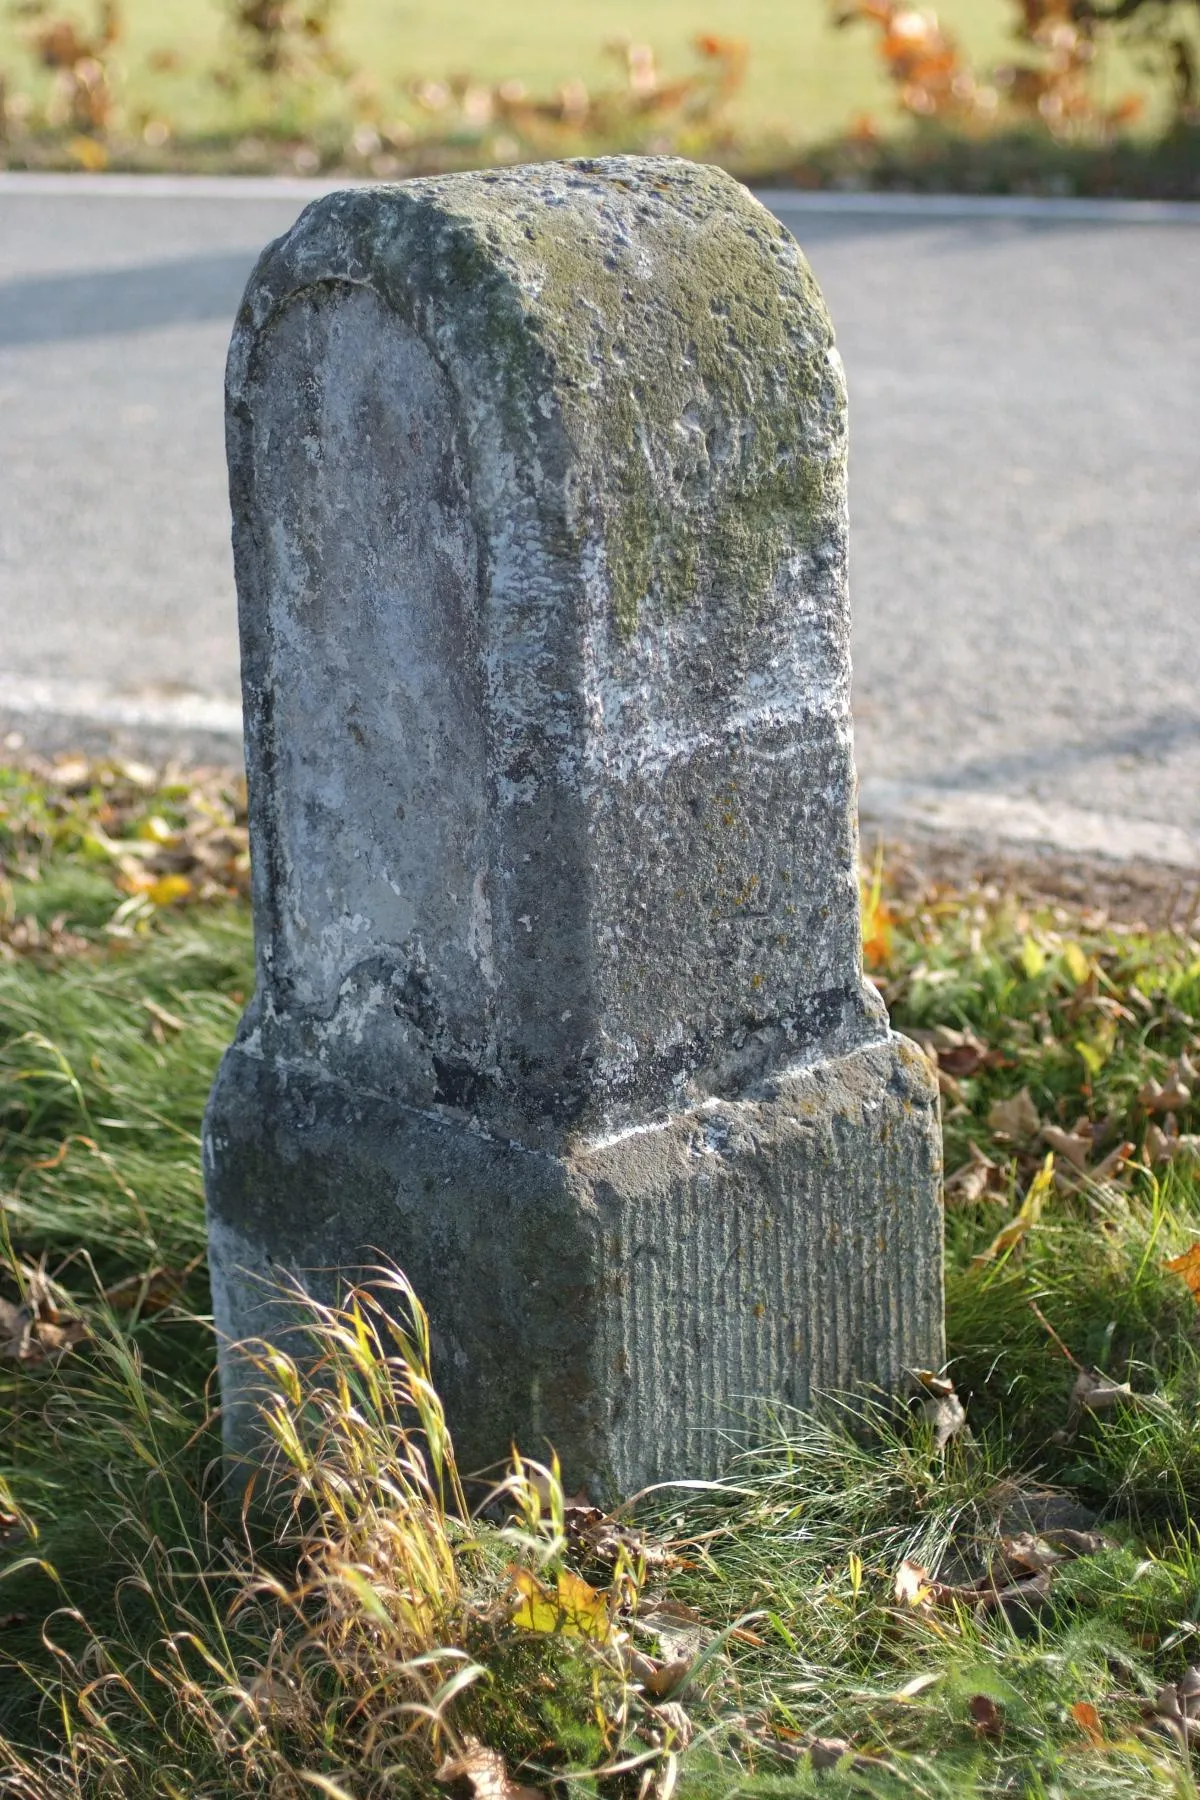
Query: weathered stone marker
x: 539, y: 488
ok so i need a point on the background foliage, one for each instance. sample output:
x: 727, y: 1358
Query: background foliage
x: 1002, y: 93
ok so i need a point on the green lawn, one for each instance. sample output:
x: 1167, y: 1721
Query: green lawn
x: 805, y: 79
x: 860, y: 1609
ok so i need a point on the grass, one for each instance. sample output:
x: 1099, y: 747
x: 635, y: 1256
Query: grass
x: 803, y: 77
x: 781, y: 1634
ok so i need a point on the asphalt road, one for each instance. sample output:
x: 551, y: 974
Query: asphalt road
x: 1025, y: 491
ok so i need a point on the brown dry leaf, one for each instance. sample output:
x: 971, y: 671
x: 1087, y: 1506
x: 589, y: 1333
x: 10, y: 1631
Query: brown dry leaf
x: 670, y: 1679
x: 149, y: 1293
x: 1156, y: 1098
x: 913, y: 1587
x: 1019, y: 1601
x: 161, y: 1021
x: 37, y: 1333
x: 940, y: 1406
x: 959, y: 1054
x: 969, y: 1184
x: 987, y: 1716
x: 595, y: 1536
x: 1017, y: 1119
x: 1088, y: 1721
x: 1071, y: 1543
x: 1022, y: 1556
x: 482, y: 1774
x: 16, y: 1324
x: 1176, y: 1707
x: 675, y: 1725
x: 1096, y: 1393
x: 1112, y: 1163
x: 827, y: 1753
x: 1074, y: 1145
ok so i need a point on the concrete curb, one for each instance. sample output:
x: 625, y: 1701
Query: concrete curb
x: 1017, y: 822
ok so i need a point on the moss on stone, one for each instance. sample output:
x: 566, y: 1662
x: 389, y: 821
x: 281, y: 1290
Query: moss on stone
x: 697, y: 386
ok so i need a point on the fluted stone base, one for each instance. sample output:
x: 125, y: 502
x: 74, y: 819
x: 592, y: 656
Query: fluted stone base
x: 628, y: 1303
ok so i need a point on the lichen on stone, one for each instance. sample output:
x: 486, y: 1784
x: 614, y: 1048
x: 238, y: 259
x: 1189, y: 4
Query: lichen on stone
x: 692, y: 364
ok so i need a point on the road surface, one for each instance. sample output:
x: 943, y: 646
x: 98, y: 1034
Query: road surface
x: 1025, y: 491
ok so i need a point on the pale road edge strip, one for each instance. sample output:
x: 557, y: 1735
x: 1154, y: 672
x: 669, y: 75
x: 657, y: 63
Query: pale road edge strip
x: 91, y: 703
x: 890, y: 805
x: 1017, y: 821
x: 780, y: 200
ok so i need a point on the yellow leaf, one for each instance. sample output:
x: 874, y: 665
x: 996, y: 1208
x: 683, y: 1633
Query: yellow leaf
x: 1187, y: 1267
x: 1033, y: 958
x: 1031, y: 1211
x: 572, y: 1608
x: 89, y: 154
x: 1094, y: 1059
x: 156, y: 830
x: 167, y: 889
x: 856, y: 1572
x: 1078, y: 966
x: 877, y: 920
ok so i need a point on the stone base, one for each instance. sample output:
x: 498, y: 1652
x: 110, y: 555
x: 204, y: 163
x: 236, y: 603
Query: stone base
x: 630, y: 1303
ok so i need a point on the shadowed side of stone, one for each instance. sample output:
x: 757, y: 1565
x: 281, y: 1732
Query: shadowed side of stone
x: 632, y: 1305
x: 538, y: 482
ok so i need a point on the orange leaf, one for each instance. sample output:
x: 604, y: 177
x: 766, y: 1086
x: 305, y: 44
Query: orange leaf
x: 1187, y: 1266
x: 1088, y: 1721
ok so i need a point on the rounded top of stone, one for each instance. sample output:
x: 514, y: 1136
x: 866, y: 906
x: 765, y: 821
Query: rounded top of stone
x: 539, y: 482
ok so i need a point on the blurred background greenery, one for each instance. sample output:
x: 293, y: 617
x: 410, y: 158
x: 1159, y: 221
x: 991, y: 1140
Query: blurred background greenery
x: 816, y: 91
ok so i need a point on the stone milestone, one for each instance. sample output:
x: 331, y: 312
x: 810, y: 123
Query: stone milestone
x: 539, y: 495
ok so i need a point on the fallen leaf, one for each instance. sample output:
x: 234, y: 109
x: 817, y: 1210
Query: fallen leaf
x: 1019, y: 1602
x: 987, y: 1716
x: 572, y: 1607
x: 1158, y: 1147
x: 1156, y: 1098
x: 1017, y: 1118
x: 1011, y: 1234
x: 37, y: 1332
x: 595, y: 1536
x: 168, y: 889
x: 1033, y: 958
x: 968, y: 1184
x: 677, y: 1727
x: 827, y: 1753
x: 670, y: 1679
x: 1088, y: 1721
x: 912, y: 1586
x: 148, y: 1293
x: 1073, y: 1145
x: 482, y: 1774
x: 1022, y: 1556
x: 1096, y: 1393
x: 1076, y: 1543
x: 1187, y: 1267
x: 1112, y: 1163
x: 940, y: 1406
x: 1077, y: 965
